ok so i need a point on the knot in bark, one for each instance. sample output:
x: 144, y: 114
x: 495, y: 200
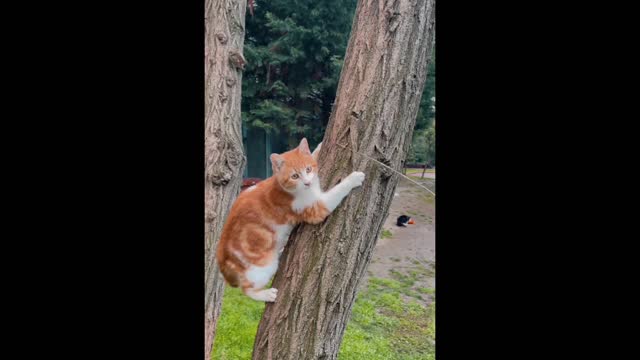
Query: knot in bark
x: 209, y: 215
x: 222, y: 38
x: 236, y: 60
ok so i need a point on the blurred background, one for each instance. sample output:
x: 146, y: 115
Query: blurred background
x: 294, y: 52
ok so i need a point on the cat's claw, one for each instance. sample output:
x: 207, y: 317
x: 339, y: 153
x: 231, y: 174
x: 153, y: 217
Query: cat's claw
x: 356, y: 178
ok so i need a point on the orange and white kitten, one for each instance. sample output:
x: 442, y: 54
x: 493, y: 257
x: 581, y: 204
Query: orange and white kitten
x: 263, y: 216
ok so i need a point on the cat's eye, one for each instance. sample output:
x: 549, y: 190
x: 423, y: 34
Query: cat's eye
x: 294, y: 176
x: 308, y: 169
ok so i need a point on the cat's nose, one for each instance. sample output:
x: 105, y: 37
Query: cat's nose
x: 307, y: 183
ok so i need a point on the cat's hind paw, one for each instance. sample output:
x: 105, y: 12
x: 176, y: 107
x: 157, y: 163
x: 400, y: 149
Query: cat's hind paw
x: 269, y: 295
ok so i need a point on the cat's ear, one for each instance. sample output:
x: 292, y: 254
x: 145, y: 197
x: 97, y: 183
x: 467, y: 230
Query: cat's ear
x: 316, y: 152
x: 304, y: 147
x: 276, y: 162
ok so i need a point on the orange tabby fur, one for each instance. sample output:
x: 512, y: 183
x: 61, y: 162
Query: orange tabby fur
x: 262, y: 216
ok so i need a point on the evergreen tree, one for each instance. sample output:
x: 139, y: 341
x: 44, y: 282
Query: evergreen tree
x: 294, y: 50
x: 423, y: 145
x: 427, y: 112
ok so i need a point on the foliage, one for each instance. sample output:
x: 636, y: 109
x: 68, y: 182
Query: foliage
x: 427, y: 112
x: 423, y: 146
x: 430, y: 144
x: 294, y: 52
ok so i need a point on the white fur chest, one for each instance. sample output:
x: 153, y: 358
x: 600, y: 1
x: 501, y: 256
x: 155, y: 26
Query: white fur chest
x: 306, y: 198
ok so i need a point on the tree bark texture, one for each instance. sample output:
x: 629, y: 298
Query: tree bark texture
x: 375, y: 111
x: 224, y: 155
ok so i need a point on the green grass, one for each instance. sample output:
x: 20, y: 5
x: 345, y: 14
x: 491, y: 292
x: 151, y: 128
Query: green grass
x: 384, y: 325
x: 386, y: 234
x: 428, y: 291
x: 237, y: 326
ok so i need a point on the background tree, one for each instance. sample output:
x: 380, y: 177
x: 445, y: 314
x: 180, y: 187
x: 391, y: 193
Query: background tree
x: 430, y: 144
x: 224, y: 159
x: 427, y: 112
x: 294, y: 50
x: 422, y: 150
x: 423, y: 146
x: 375, y: 112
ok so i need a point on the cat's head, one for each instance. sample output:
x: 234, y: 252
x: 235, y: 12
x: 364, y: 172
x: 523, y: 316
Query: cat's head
x: 296, y: 170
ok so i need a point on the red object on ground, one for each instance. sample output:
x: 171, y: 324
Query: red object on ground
x: 411, y: 221
x: 248, y: 182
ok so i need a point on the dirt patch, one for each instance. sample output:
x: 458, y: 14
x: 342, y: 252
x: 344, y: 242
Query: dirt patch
x: 409, y: 253
x: 419, y: 176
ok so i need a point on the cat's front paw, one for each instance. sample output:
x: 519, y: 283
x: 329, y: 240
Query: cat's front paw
x: 356, y: 178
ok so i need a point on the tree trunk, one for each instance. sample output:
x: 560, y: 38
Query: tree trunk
x: 375, y: 111
x: 224, y: 156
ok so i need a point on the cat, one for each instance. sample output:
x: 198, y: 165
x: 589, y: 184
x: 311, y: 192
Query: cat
x: 262, y: 217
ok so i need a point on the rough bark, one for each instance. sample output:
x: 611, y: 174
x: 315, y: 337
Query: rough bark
x: 375, y: 111
x: 224, y: 158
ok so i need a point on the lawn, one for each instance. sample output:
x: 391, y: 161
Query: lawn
x: 419, y: 171
x: 237, y: 326
x: 387, y: 321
